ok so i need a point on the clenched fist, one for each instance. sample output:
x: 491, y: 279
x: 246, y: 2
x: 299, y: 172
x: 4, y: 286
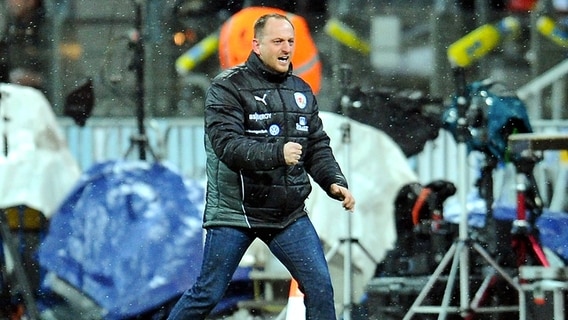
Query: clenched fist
x: 292, y: 153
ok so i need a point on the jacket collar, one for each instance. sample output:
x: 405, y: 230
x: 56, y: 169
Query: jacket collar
x: 254, y: 63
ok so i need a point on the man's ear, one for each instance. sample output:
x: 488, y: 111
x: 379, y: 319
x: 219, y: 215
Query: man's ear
x: 256, y: 46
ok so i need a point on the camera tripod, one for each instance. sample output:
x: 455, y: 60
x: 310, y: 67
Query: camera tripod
x: 140, y: 139
x: 525, y: 240
x: 346, y: 103
x: 459, y: 255
x: 526, y: 149
x: 348, y: 241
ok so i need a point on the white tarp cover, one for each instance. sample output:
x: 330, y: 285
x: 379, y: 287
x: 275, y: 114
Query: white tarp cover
x: 38, y: 170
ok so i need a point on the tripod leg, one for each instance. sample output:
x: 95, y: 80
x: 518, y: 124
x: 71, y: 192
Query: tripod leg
x: 520, y: 248
x: 480, y: 295
x: 333, y: 251
x: 537, y: 249
x: 450, y: 282
x: 496, y: 266
x: 367, y: 253
x: 433, y: 278
x: 490, y: 281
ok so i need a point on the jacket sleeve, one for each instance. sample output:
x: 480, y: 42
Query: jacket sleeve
x: 225, y: 129
x: 320, y: 162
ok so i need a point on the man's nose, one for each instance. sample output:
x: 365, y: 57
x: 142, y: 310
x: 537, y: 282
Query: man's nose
x: 287, y: 47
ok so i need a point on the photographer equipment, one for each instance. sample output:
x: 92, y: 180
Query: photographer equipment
x: 492, y: 113
x: 537, y: 274
x: 137, y: 65
x: 479, y: 119
x: 487, y: 115
x: 421, y: 230
x: 526, y: 151
x: 390, y: 110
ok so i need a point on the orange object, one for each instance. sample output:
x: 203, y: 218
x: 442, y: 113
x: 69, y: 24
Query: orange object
x: 235, y: 40
x: 419, y: 204
x: 295, y: 309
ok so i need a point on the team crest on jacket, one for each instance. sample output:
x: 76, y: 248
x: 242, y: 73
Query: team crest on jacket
x: 301, y: 100
x: 302, y: 124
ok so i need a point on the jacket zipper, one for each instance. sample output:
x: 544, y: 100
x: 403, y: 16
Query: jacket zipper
x: 243, y: 198
x: 286, y: 136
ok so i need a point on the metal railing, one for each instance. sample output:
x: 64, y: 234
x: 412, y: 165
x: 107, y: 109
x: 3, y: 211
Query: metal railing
x: 532, y: 92
x: 174, y: 140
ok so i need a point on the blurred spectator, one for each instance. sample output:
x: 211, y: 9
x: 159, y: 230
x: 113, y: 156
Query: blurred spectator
x: 22, y: 44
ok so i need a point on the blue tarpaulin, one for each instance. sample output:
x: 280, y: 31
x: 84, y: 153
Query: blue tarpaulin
x: 129, y: 236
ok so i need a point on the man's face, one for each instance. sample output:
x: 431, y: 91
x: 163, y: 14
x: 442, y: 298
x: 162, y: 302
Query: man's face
x: 275, y: 45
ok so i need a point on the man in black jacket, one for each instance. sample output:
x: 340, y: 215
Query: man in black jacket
x: 263, y: 139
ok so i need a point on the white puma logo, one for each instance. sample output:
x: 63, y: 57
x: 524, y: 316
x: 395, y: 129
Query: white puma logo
x: 263, y: 99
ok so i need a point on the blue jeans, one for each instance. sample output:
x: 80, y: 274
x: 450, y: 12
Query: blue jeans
x: 297, y: 246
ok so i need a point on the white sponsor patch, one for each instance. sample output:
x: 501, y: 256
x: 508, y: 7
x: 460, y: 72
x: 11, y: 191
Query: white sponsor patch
x: 260, y: 116
x: 262, y: 131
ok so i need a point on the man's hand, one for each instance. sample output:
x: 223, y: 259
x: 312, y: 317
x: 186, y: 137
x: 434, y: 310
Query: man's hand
x: 292, y: 153
x: 344, y: 195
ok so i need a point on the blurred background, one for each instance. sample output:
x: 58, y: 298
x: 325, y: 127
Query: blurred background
x: 401, y: 44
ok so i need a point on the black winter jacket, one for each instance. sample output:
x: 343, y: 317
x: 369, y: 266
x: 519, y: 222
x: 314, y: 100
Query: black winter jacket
x: 250, y: 113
